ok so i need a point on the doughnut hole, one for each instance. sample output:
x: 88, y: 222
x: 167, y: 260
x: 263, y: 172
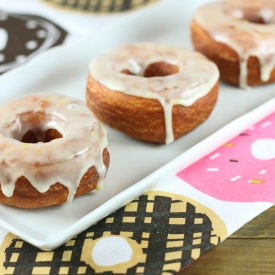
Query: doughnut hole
x: 157, y: 69
x: 160, y: 69
x: 254, y: 17
x: 259, y: 15
x: 256, y: 13
x: 50, y: 135
x: 37, y: 127
x: 256, y: 20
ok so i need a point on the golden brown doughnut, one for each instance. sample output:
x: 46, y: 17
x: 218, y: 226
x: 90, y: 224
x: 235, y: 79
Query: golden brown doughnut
x: 152, y: 92
x: 53, y: 149
x: 239, y: 38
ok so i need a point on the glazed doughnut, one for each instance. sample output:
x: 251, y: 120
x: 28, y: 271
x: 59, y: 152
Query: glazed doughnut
x: 52, y: 149
x: 239, y: 38
x: 152, y: 92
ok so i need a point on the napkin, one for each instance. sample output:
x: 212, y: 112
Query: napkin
x: 170, y: 226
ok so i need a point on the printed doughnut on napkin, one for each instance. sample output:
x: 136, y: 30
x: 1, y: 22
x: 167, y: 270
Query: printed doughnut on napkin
x: 242, y: 170
x: 170, y: 226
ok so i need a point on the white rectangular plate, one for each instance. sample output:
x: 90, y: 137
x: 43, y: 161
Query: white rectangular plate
x: 135, y: 166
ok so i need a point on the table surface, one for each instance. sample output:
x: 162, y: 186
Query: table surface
x: 250, y: 250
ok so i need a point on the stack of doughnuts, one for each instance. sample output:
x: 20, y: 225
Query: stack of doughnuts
x: 52, y: 150
x: 239, y: 38
x: 152, y: 92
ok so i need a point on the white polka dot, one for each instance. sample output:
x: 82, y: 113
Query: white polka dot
x: 41, y: 34
x: 3, y: 38
x: 2, y: 57
x: 3, y: 16
x: 263, y: 149
x: 111, y: 251
x: 31, y: 45
x: 20, y: 58
x: 31, y: 24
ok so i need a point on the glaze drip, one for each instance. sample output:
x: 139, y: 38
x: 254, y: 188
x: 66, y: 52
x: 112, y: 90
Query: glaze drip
x: 64, y: 160
x: 248, y: 27
x: 195, y: 77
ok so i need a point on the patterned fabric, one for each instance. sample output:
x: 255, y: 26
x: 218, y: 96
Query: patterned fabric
x: 99, y: 6
x: 242, y: 169
x: 158, y: 233
x: 24, y: 36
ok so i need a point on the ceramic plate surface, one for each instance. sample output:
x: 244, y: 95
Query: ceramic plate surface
x: 135, y: 166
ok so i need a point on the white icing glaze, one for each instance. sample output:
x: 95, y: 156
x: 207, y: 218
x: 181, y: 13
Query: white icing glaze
x: 232, y: 24
x: 63, y: 160
x: 196, y: 77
